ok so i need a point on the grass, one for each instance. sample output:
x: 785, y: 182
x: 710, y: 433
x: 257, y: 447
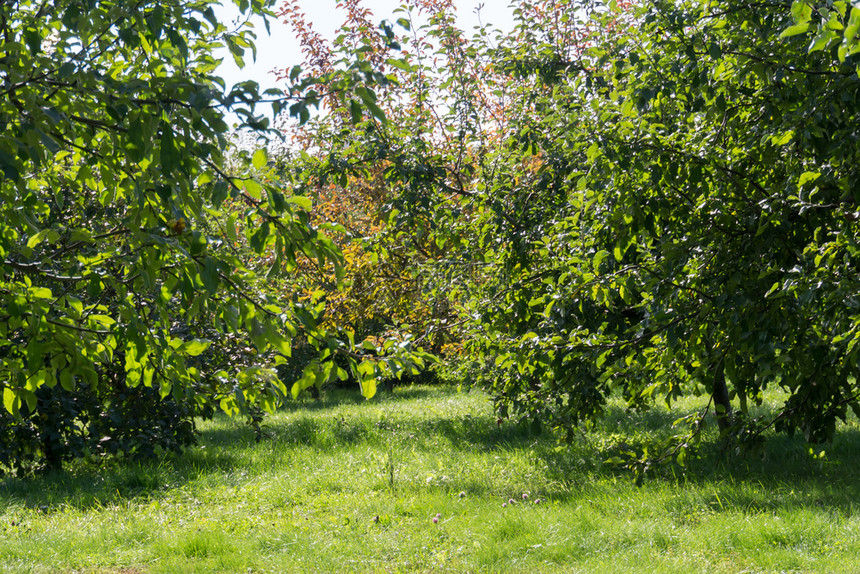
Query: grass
x: 351, y: 486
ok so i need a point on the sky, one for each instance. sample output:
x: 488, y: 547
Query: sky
x: 281, y: 50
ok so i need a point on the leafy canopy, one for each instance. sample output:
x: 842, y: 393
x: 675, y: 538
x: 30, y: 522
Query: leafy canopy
x: 692, y: 221
x: 122, y: 225
x: 648, y: 199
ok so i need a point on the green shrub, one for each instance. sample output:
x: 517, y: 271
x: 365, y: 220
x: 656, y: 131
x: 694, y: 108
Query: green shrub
x: 112, y: 419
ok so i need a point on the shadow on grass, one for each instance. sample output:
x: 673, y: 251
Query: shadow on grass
x: 736, y: 482
x: 783, y: 461
x: 337, y: 397
x: 83, y: 486
x: 220, y: 451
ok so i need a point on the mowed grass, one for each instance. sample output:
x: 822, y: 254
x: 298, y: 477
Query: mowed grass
x: 347, y: 485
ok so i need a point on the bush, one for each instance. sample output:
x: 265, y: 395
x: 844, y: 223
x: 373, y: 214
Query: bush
x: 113, y: 419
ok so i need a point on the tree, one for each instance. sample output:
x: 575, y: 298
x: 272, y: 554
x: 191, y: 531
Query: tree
x: 119, y: 265
x: 372, y: 149
x: 660, y: 202
x: 691, y: 226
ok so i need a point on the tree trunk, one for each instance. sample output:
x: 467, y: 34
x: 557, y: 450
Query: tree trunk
x: 722, y: 404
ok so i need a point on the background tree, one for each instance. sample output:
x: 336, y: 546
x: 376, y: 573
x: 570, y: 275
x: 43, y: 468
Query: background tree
x: 382, y: 141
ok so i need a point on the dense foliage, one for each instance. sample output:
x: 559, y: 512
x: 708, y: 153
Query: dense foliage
x: 648, y: 199
x: 691, y: 226
x: 645, y: 200
x: 130, y: 247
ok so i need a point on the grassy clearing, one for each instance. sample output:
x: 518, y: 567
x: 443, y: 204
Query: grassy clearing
x: 345, y: 485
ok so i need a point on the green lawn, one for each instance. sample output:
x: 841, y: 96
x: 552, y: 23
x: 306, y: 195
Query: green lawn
x: 344, y: 485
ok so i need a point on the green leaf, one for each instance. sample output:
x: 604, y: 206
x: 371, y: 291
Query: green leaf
x: 33, y: 40
x: 41, y: 293
x: 302, y: 201
x: 66, y: 70
x: 278, y: 342
x: 367, y: 96
x: 853, y: 27
x: 31, y: 399
x: 235, y: 50
x: 210, y: 276
x: 254, y: 189
x: 795, y: 30
x: 808, y: 176
x: 220, y: 191
x: 368, y: 388
x: 11, y: 401
x: 599, y: 257
x: 10, y: 166
x: 715, y: 51
x: 275, y: 269
x: 194, y: 347
x: 624, y: 293
x: 37, y: 238
x: 400, y: 64
x: 231, y: 227
x: 170, y: 155
x: 260, y: 158
x: 104, y: 320
x: 355, y: 111
x: 801, y: 10
x: 773, y: 289
x: 824, y: 37
x: 75, y: 305
x: 67, y: 381
x: 783, y: 139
